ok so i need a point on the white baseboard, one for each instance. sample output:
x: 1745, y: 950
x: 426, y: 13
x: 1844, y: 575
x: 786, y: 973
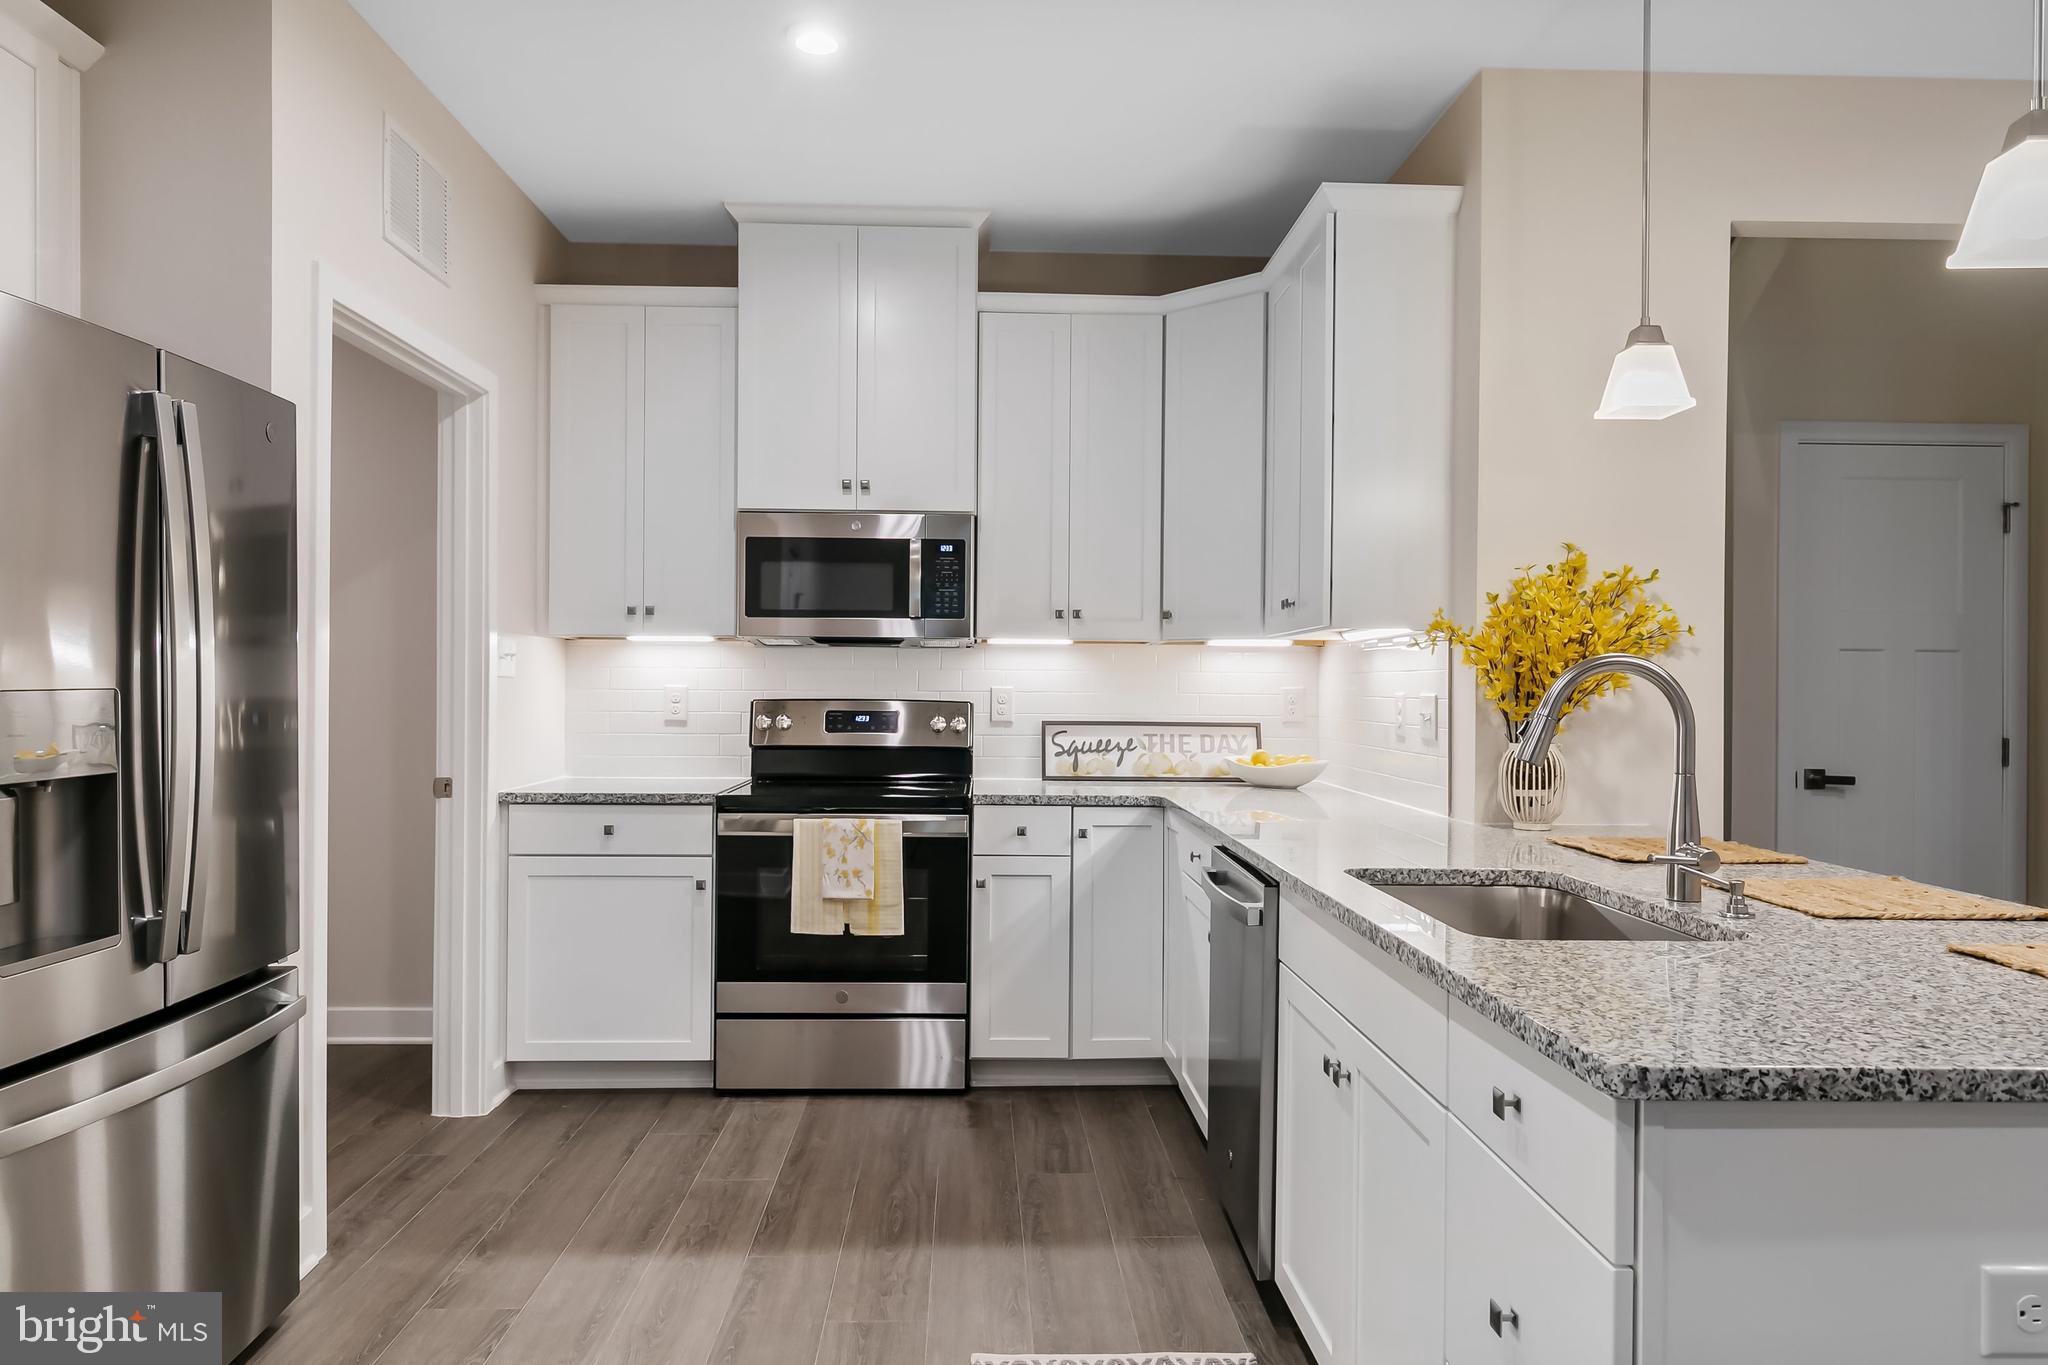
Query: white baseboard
x: 609, y: 1075
x: 380, y: 1023
x: 1000, y: 1071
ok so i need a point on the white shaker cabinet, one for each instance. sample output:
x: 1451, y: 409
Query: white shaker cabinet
x: 1021, y: 918
x: 1070, y: 476
x: 640, y: 469
x: 798, y: 328
x: 1360, y: 322
x: 41, y: 56
x: 1187, y: 993
x: 856, y: 366
x: 608, y: 959
x: 1212, y: 563
x: 1119, y: 928
x: 1360, y: 1189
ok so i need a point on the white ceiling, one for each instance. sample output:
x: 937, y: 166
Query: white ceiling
x: 1187, y: 126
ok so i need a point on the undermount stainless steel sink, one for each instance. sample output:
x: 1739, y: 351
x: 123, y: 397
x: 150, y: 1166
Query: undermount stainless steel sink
x: 1527, y: 912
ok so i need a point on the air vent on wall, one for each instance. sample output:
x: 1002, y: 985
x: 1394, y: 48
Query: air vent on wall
x: 416, y: 203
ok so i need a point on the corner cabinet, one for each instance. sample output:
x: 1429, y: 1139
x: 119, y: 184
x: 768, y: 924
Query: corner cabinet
x: 856, y: 365
x: 640, y: 454
x: 1119, y: 931
x: 1069, y: 526
x: 1360, y: 322
x: 1212, y: 569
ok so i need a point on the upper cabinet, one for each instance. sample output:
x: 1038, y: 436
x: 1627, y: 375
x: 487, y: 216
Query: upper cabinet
x: 1070, y: 476
x: 41, y: 56
x: 640, y: 466
x: 856, y: 364
x: 1359, y: 370
x: 1213, y: 561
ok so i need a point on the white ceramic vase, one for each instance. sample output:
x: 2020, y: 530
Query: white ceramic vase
x: 1532, y: 794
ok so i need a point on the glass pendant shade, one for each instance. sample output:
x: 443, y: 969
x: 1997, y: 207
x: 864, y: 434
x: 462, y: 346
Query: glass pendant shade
x: 1645, y: 381
x: 2008, y: 223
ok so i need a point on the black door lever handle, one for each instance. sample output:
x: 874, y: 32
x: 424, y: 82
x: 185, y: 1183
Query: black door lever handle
x: 1820, y: 779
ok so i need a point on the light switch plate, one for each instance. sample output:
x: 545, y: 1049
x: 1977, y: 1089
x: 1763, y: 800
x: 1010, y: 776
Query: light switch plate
x: 2015, y: 1311
x: 1002, y: 706
x: 675, y: 703
x: 508, y: 658
x: 1422, y: 711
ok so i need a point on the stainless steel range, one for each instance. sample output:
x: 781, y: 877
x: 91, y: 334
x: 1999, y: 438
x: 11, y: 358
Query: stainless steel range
x: 843, y: 1011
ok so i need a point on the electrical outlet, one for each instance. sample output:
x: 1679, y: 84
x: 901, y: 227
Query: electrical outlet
x: 675, y: 703
x: 1002, y: 706
x: 2015, y: 1310
x: 1290, y: 703
x: 1400, y: 712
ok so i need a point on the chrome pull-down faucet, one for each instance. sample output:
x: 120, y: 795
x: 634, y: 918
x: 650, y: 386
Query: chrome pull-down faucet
x: 1687, y: 862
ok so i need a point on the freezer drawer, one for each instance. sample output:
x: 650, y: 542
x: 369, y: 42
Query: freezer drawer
x: 167, y: 1160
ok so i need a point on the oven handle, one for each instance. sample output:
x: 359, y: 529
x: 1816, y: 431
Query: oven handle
x: 914, y: 826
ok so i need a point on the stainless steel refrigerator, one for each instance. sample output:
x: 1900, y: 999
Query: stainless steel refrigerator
x: 148, y: 823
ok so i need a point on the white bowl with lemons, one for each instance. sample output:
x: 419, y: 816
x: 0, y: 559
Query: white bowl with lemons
x: 1263, y: 769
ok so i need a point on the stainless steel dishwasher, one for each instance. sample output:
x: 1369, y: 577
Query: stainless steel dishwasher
x: 1244, y: 987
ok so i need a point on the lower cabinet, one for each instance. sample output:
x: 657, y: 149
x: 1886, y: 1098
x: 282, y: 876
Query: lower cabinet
x: 1119, y: 932
x: 608, y: 959
x: 1021, y: 926
x: 1359, y: 1204
x: 1187, y: 993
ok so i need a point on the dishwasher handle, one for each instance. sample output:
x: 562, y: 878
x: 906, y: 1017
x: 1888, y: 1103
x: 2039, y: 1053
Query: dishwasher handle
x: 1251, y: 913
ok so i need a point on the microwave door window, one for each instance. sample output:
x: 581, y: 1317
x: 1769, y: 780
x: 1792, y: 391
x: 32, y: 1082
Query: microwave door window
x: 825, y: 578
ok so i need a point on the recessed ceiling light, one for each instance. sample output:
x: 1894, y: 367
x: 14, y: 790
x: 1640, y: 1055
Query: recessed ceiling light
x: 814, y: 39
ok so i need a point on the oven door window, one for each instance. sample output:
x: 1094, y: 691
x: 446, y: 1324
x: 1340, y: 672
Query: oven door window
x: 755, y: 944
x: 824, y: 577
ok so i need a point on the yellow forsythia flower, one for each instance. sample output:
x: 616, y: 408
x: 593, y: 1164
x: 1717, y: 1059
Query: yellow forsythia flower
x: 1548, y: 621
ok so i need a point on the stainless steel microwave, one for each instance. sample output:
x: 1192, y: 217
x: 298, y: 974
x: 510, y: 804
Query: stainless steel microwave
x: 856, y: 577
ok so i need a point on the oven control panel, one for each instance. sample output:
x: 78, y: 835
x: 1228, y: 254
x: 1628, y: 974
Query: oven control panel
x: 945, y: 580
x: 788, y: 721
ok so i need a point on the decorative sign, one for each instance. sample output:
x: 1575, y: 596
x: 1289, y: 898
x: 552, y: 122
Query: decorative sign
x: 1145, y: 751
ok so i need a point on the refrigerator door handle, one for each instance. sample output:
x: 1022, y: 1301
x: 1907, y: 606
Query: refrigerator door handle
x: 32, y: 1132
x: 165, y: 785
x: 205, y: 712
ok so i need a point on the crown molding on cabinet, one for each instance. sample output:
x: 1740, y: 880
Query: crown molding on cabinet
x: 74, y: 47
x: 1382, y: 201
x: 641, y: 295
x: 851, y: 215
x: 987, y: 302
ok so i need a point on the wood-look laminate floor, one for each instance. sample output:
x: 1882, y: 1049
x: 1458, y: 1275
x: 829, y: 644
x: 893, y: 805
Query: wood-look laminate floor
x: 680, y: 1227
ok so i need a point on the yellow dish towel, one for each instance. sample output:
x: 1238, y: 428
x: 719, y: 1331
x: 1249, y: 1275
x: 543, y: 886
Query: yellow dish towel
x: 809, y: 911
x: 857, y: 854
x: 881, y: 915
x: 846, y: 871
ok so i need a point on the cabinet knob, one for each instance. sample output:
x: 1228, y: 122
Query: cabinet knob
x: 1166, y: 614
x: 846, y: 485
x: 647, y: 610
x: 1059, y: 613
x: 702, y: 884
x: 1498, y: 1317
x: 1502, y: 1102
x: 1077, y: 613
x: 864, y: 486
x: 1080, y: 833
x: 608, y: 830
x: 1023, y: 831
x: 981, y: 883
x: 1339, y: 1073
x: 1194, y: 855
x: 632, y: 611
x: 1286, y: 604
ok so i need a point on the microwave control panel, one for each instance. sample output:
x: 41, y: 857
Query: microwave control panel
x: 945, y: 580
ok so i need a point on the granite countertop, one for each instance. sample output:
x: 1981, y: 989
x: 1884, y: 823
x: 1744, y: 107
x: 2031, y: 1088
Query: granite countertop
x: 1795, y: 1008
x: 621, y: 791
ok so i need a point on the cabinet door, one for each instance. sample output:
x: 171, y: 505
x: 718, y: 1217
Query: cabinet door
x: 1402, y: 1132
x: 597, y: 357
x: 39, y: 162
x: 1315, y: 1212
x: 608, y: 959
x: 1113, y: 493
x: 1021, y: 574
x: 1298, y: 443
x: 797, y: 316
x: 1119, y: 944
x: 1194, y: 1049
x: 1017, y: 995
x: 1213, y: 561
x: 686, y: 507
x: 915, y: 445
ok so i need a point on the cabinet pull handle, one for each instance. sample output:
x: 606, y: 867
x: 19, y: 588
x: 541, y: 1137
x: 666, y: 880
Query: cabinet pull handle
x: 1195, y: 855
x: 1166, y: 613
x: 1286, y: 604
x: 647, y: 610
x: 1081, y: 833
x: 1497, y: 1317
x: 702, y: 884
x: 1059, y: 613
x: 632, y: 611
x: 1326, y: 1064
x: 846, y: 485
x: 864, y: 486
x: 1502, y: 1102
x: 608, y: 831
x: 1023, y: 831
x: 1338, y: 1073
x: 1077, y: 613
x: 981, y: 883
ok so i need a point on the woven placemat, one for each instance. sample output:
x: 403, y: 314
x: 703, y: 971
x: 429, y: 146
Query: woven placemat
x: 2021, y: 957
x: 1632, y: 848
x: 1880, y: 898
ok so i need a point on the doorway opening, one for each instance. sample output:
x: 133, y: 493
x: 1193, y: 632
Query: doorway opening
x: 1880, y: 696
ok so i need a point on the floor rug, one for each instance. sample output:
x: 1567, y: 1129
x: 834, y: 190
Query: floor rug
x: 1152, y: 1358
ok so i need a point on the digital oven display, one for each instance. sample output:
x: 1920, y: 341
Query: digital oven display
x: 861, y: 722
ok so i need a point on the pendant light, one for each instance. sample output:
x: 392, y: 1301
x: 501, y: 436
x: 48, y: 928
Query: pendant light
x: 1645, y: 382
x: 2008, y: 222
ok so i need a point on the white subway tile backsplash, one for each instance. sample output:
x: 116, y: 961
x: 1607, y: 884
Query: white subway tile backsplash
x: 1360, y: 690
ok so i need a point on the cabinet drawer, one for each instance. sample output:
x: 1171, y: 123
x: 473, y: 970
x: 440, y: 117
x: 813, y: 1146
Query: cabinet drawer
x: 1575, y: 1146
x: 1520, y: 1285
x: 1037, y: 831
x: 1400, y: 1010
x: 571, y: 831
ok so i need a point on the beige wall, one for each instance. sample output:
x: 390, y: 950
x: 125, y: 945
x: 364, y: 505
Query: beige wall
x: 1557, y: 155
x: 380, y: 886
x: 175, y: 191
x: 1862, y: 331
